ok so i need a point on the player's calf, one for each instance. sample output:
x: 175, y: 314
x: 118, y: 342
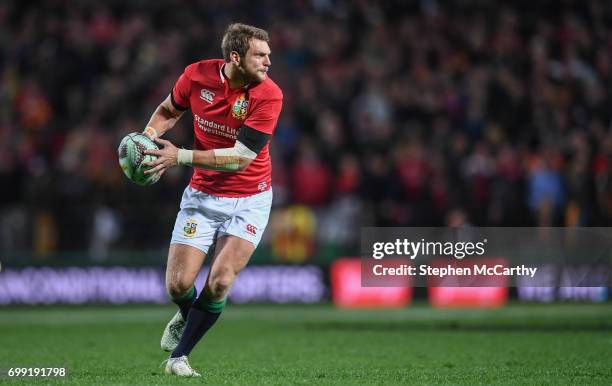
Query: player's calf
x: 175, y: 327
x: 203, y: 315
x: 184, y: 263
x: 178, y: 288
x: 219, y: 283
x: 183, y: 295
x: 232, y: 255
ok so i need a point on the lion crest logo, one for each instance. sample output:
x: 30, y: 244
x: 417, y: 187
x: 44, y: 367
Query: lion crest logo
x: 239, y: 110
x: 190, y: 227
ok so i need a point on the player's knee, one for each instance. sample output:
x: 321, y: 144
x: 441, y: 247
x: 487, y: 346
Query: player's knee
x: 220, y: 284
x: 177, y: 288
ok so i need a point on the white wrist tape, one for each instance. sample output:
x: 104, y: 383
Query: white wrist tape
x: 184, y: 157
x: 239, y: 150
x: 150, y: 132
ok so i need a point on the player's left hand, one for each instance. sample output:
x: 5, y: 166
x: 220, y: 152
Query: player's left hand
x: 167, y: 157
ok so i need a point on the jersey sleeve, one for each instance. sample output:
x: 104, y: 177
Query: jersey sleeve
x: 181, y: 91
x: 265, y: 115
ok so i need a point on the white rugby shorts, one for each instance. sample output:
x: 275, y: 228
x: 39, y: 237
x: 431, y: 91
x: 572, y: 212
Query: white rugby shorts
x: 203, y: 217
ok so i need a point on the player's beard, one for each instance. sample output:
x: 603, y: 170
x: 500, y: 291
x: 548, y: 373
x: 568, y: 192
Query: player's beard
x: 248, y: 76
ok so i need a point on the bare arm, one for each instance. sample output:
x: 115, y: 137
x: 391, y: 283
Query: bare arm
x: 231, y: 159
x: 249, y: 143
x: 228, y: 160
x: 163, y: 119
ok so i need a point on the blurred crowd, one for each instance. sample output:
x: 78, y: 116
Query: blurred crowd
x: 396, y: 113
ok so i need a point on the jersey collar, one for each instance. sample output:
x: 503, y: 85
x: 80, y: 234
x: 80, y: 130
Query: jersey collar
x: 222, y: 77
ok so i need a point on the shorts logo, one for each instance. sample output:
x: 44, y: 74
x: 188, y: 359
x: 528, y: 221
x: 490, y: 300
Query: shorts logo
x: 262, y: 186
x: 207, y: 95
x: 239, y: 110
x: 190, y: 228
x: 251, y: 229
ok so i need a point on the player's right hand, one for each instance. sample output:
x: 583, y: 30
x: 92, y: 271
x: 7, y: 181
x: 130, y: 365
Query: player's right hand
x: 167, y: 157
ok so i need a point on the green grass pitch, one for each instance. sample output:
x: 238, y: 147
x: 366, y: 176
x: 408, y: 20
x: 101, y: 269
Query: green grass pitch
x: 313, y: 345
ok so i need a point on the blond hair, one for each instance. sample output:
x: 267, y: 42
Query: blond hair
x: 237, y: 37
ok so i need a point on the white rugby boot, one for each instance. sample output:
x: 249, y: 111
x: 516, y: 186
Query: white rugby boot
x: 173, y: 332
x: 180, y: 366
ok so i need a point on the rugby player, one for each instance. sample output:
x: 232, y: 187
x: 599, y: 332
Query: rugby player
x: 227, y: 203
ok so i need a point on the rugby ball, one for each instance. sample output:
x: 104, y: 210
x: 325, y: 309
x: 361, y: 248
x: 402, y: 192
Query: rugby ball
x: 131, y: 158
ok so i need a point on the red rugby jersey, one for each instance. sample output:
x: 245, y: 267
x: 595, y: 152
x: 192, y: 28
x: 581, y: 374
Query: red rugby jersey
x: 218, y: 112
